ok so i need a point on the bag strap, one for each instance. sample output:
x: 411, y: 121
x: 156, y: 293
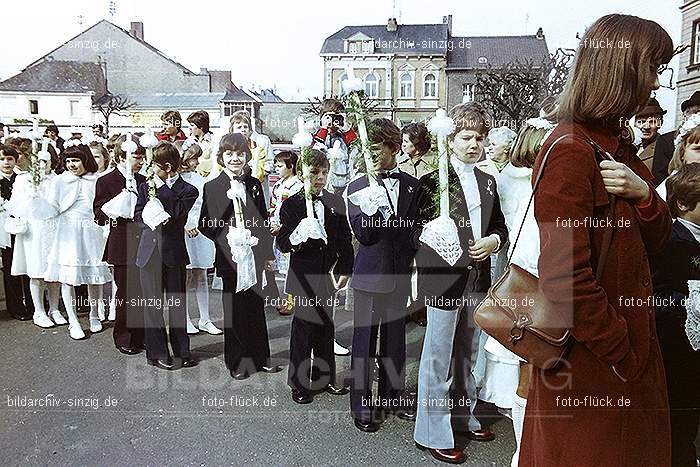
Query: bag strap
x: 607, y: 236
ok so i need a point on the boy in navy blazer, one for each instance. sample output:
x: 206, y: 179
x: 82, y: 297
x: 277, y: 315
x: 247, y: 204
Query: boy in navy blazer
x: 162, y: 258
x: 381, y: 284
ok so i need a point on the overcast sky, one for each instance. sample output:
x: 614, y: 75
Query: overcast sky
x: 276, y: 43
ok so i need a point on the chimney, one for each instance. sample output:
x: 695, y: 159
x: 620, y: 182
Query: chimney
x: 203, y: 71
x: 448, y: 21
x: 540, y: 34
x: 392, y: 25
x: 137, y: 30
x: 219, y: 80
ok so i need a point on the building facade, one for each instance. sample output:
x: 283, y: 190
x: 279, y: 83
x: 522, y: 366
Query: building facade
x: 412, y: 70
x: 689, y: 61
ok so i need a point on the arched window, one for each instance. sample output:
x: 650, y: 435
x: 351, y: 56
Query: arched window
x: 406, y: 84
x: 430, y: 86
x: 371, y: 85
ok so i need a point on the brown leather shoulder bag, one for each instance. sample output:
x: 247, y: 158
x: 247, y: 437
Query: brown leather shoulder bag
x: 515, y: 312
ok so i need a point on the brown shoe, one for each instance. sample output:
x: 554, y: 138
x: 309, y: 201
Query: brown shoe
x: 451, y: 456
x: 481, y: 435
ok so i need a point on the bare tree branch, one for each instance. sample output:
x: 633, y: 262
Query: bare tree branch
x: 109, y: 104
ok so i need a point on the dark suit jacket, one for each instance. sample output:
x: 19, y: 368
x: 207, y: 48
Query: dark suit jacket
x: 6, y: 186
x: 672, y: 267
x: 436, y: 278
x: 124, y: 234
x: 216, y: 216
x: 169, y: 238
x: 662, y: 156
x: 384, y: 258
x: 311, y: 261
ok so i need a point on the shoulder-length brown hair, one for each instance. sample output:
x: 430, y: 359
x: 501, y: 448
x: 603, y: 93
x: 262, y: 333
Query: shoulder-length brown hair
x: 607, y: 83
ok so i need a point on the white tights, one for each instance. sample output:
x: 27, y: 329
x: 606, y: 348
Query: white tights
x: 94, y: 297
x: 37, y: 287
x: 197, y: 278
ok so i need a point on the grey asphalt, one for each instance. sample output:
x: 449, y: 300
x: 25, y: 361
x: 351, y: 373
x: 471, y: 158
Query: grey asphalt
x: 104, y: 408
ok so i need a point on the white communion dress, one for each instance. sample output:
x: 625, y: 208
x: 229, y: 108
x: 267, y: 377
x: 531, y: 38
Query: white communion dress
x: 32, y: 246
x: 200, y: 249
x: 75, y: 257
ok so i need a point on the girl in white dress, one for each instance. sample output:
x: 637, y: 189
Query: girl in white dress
x: 200, y: 249
x: 75, y: 257
x: 33, y: 224
x: 503, y: 367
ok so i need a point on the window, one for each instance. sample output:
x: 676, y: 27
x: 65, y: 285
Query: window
x: 33, y: 107
x: 430, y: 86
x: 74, y: 108
x: 695, y: 58
x: 231, y: 107
x: 371, y: 85
x: 406, y: 84
x: 483, y: 61
x: 366, y: 47
x: 352, y: 48
x: 467, y: 93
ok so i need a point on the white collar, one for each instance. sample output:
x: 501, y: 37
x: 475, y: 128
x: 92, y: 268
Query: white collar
x: 462, y: 167
x: 171, y: 181
x: 694, y: 228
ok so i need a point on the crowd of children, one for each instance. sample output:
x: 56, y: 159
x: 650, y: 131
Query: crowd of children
x: 134, y: 224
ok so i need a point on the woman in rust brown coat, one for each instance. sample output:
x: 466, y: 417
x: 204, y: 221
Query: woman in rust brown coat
x: 607, y: 404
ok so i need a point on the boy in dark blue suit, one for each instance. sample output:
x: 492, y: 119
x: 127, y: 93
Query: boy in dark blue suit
x: 381, y: 284
x: 162, y: 257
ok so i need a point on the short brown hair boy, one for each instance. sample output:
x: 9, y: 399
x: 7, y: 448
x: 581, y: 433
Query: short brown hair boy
x: 166, y: 153
x: 684, y: 188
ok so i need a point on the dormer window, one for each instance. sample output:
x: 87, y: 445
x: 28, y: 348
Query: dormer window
x: 366, y: 47
x: 352, y: 47
x: 483, y: 60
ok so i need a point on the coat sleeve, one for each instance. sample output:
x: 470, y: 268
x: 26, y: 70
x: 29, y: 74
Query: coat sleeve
x: 264, y: 246
x: 141, y: 200
x: 654, y: 221
x: 289, y: 220
x: 346, y: 254
x: 208, y: 226
x: 178, y: 205
x: 566, y: 191
x: 102, y: 195
x: 497, y: 223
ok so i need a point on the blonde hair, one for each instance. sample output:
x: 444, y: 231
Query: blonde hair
x: 527, y: 145
x: 607, y: 81
x: 678, y: 159
x: 194, y: 151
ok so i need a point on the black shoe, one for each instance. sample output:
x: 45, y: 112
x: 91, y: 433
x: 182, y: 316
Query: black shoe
x: 337, y: 390
x: 240, y: 376
x: 367, y: 427
x: 20, y: 317
x: 271, y: 369
x: 302, y: 397
x: 189, y: 362
x: 128, y: 350
x: 408, y: 415
x: 162, y: 364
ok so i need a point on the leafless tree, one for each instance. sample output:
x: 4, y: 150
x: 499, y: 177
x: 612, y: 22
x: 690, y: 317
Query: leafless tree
x: 513, y: 92
x: 110, y: 104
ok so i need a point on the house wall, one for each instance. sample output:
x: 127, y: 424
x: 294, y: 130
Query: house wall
x: 51, y: 106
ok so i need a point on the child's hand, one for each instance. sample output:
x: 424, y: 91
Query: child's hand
x: 275, y: 230
x: 270, y: 265
x: 481, y: 250
x: 342, y: 281
x: 192, y: 233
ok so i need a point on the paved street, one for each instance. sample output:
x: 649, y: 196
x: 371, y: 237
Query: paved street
x: 104, y: 408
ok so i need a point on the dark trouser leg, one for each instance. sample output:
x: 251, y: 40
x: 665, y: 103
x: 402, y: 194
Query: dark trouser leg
x: 120, y: 333
x: 300, y: 351
x: 322, y: 337
x: 174, y: 285
x: 392, y: 347
x: 155, y: 337
x: 134, y: 310
x: 364, y: 338
x: 683, y: 383
x: 256, y: 338
x: 246, y: 344
x: 15, y: 287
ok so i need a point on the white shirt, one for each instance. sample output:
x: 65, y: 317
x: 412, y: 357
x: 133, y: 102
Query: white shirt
x: 392, y: 188
x: 694, y: 228
x: 467, y: 179
x: 171, y: 181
